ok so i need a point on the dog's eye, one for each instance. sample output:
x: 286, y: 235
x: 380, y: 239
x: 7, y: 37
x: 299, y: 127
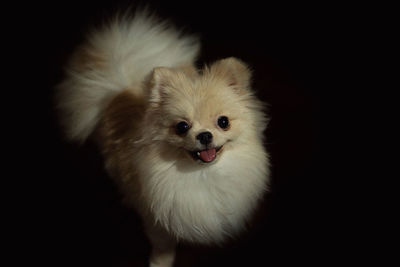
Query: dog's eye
x: 223, y: 122
x: 182, y: 127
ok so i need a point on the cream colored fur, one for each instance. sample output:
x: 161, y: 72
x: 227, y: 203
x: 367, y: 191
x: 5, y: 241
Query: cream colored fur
x: 128, y: 86
x: 114, y: 58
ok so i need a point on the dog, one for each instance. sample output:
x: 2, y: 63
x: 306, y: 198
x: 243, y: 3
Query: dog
x: 184, y: 145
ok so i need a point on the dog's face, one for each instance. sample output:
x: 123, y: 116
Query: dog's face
x: 203, y: 115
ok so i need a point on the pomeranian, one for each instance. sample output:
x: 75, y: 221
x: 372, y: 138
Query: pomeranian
x: 185, y: 146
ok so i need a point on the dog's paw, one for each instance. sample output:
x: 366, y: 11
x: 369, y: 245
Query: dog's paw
x: 162, y: 258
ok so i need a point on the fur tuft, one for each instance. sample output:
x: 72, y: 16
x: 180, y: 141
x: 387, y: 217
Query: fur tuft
x: 117, y: 57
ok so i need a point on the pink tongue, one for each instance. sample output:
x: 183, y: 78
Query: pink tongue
x: 208, y: 155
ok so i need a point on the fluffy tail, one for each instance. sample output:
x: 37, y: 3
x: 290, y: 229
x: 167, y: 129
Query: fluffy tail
x: 116, y: 57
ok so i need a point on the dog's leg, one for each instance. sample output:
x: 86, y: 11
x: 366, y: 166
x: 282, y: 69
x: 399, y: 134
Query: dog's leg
x: 163, y: 247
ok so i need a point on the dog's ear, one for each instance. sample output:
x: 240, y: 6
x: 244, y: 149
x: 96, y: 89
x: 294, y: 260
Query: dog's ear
x: 159, y: 82
x: 234, y: 71
x: 190, y: 71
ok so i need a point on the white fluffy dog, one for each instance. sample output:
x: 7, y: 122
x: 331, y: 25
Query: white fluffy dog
x: 185, y: 146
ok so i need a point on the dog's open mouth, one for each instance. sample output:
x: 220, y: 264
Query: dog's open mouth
x: 206, y: 155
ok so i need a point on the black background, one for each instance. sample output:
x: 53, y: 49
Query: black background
x: 72, y: 215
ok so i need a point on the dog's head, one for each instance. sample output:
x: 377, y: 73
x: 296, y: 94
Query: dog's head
x: 201, y: 115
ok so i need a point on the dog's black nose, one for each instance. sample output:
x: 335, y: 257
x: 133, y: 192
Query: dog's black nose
x: 205, y: 138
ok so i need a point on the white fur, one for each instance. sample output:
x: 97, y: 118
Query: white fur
x: 207, y: 204
x: 131, y: 49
